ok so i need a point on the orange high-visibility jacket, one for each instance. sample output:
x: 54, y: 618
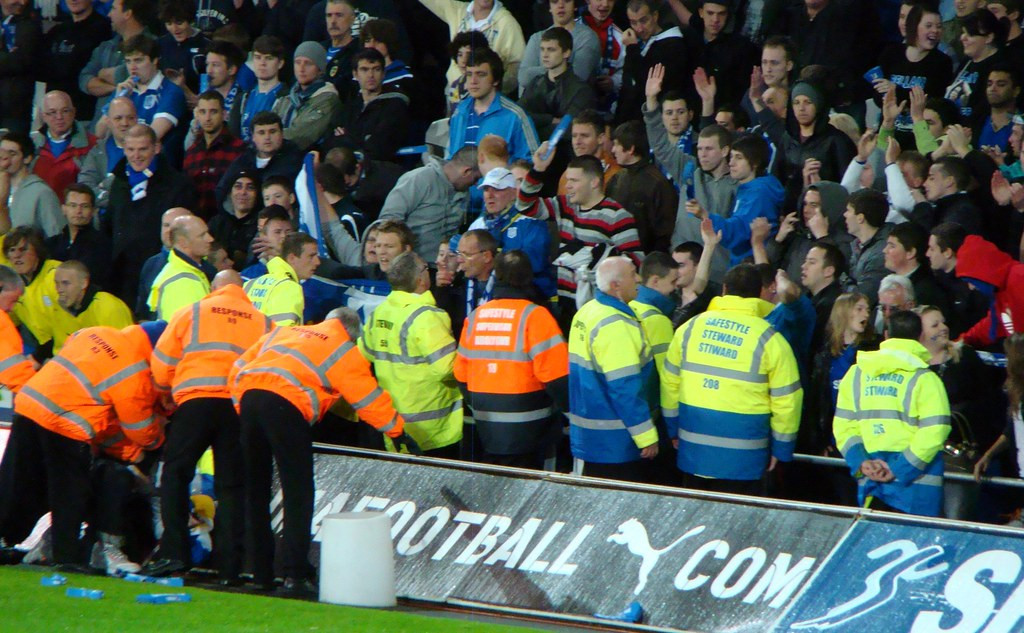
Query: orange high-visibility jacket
x: 510, y: 349
x: 312, y: 366
x: 15, y: 368
x: 195, y: 353
x: 97, y: 388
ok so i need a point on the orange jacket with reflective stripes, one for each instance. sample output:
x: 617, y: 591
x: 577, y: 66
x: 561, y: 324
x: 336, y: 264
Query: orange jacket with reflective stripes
x: 195, y: 353
x: 509, y: 350
x: 15, y: 368
x: 98, y: 390
x: 312, y: 366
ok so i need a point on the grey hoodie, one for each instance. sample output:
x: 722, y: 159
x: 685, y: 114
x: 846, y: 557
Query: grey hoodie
x: 33, y: 203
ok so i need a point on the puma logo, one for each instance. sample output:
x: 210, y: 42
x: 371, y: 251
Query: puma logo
x: 633, y: 535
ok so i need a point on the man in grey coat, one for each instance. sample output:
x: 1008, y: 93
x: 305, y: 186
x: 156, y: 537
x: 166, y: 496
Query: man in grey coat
x: 704, y: 181
x: 32, y: 202
x: 430, y: 201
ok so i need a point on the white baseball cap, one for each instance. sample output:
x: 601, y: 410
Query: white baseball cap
x: 499, y: 178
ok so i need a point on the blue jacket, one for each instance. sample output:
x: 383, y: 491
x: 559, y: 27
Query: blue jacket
x: 761, y: 197
x: 515, y: 231
x: 609, y: 365
x: 795, y: 322
x: 504, y: 118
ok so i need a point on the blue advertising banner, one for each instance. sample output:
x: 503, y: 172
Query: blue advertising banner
x: 910, y: 578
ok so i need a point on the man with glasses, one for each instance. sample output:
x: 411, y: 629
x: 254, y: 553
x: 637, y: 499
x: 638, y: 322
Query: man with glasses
x: 62, y: 143
x: 477, y: 250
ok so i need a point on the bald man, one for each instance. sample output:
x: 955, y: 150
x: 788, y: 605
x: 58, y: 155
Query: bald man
x: 181, y: 282
x: 80, y: 305
x: 62, y: 143
x: 195, y: 372
x: 156, y: 263
x: 611, y: 372
x: 98, y: 165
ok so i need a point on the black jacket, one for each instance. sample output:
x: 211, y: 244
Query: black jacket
x: 19, y: 68
x: 91, y: 247
x: 68, y: 48
x: 286, y: 162
x: 544, y: 99
x: 134, y: 225
x: 651, y: 199
x: 674, y: 51
x: 233, y: 233
x: 377, y: 128
x: 957, y: 208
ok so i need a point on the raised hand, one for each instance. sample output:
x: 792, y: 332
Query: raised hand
x: 1000, y: 188
x: 917, y: 101
x: 866, y: 145
x: 655, y: 77
x: 892, y: 151
x: 760, y: 228
x: 540, y: 163
x: 707, y: 232
x: 756, y: 84
x: 706, y: 86
x: 891, y: 109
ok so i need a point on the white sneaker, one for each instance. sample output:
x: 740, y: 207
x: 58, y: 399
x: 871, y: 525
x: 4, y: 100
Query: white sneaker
x: 116, y: 561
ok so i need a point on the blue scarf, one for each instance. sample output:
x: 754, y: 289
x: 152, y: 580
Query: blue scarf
x: 10, y: 32
x: 989, y: 292
x: 139, y: 180
x: 473, y: 299
x: 57, y: 146
x: 298, y: 96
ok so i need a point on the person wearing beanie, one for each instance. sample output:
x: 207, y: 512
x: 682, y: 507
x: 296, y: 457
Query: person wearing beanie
x: 810, y: 149
x: 96, y: 397
x: 312, y: 104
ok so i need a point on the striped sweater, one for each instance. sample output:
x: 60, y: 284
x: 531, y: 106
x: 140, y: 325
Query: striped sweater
x: 606, y: 225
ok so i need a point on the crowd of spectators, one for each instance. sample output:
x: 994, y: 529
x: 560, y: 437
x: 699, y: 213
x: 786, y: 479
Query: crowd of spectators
x: 860, y: 158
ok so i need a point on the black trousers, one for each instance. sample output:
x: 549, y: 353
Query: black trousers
x: 753, y: 487
x: 23, y: 494
x: 274, y: 430
x: 626, y: 471
x: 68, y: 466
x: 199, y: 424
x: 113, y: 486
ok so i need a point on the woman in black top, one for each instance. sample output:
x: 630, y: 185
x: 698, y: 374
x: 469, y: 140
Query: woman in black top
x: 983, y: 35
x: 918, y: 62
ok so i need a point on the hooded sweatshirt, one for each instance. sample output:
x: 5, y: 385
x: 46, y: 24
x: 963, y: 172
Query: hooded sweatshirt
x: 790, y: 253
x: 982, y: 261
x: 33, y: 203
x: 759, y: 198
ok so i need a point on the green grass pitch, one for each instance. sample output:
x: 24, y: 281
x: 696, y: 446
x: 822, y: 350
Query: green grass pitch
x: 27, y: 606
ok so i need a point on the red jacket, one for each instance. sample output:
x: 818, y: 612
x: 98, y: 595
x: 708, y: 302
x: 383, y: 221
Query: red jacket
x: 982, y: 260
x: 60, y: 171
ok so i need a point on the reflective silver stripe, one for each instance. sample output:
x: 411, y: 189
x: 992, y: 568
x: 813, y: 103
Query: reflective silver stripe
x: 215, y: 347
x: 576, y: 359
x: 195, y: 324
x: 783, y: 437
x: 512, y: 416
x: 543, y: 346
x: 670, y: 413
x: 249, y: 284
x: 368, y: 399
x: 640, y: 429
x: 390, y: 425
x: 608, y: 320
x: 162, y: 357
x: 883, y: 414
x: 762, y: 342
x: 113, y: 439
x: 722, y: 372
x: 933, y: 420
x: 778, y: 392
x: 850, y: 443
x: 209, y: 381
x: 80, y: 377
x: 846, y: 414
x: 660, y: 348
x: 595, y: 425
x: 929, y: 480
x: 136, y: 426
x: 437, y: 355
x: 285, y: 316
x: 722, y: 442
x: 671, y: 367
x: 521, y: 333
x: 290, y: 378
x: 477, y: 354
x: 856, y: 391
x: 436, y: 414
x: 335, y: 356
x: 11, y: 362
x: 916, y: 461
x: 304, y: 361
x: 650, y: 312
x: 53, y: 408
x: 909, y: 395
x: 124, y: 374
x: 403, y: 334
x: 622, y: 372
